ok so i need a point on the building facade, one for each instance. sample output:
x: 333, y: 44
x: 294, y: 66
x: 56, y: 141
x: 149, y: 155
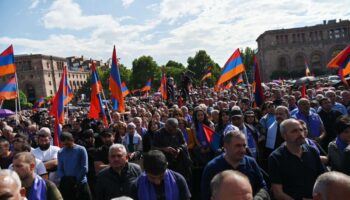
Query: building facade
x: 289, y: 49
x: 39, y: 75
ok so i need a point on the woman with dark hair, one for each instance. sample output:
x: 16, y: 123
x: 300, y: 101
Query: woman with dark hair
x: 186, y: 132
x: 339, y: 149
x: 147, y: 144
x: 202, y: 152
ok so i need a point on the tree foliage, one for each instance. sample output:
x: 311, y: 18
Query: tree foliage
x: 143, y: 68
x: 10, y: 104
x: 174, y: 64
x: 248, y: 60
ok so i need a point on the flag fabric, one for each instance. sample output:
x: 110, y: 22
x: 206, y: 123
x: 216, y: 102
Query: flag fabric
x: 232, y: 68
x: 207, y: 74
x: 208, y: 132
x: 115, y: 83
x: 342, y: 60
x: 229, y: 85
x: 147, y: 87
x: 7, y: 62
x: 307, y: 69
x: 57, y: 133
x: 303, y: 91
x: 342, y: 77
x: 135, y: 90
x: 257, y: 87
x: 125, y: 90
x: 96, y: 107
x: 8, y: 90
x: 62, y: 98
x: 239, y: 80
x: 38, y: 104
x: 163, y: 85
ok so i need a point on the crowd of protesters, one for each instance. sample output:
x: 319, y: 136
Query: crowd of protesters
x: 159, y: 149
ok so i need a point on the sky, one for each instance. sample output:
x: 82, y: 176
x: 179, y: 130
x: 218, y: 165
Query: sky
x: 164, y: 29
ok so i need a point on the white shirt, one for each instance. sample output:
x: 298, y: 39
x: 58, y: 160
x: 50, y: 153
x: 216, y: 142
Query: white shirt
x: 47, y: 155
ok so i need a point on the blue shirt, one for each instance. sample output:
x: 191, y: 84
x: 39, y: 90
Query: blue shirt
x: 313, y: 123
x: 267, y: 120
x: 73, y: 162
x: 247, y: 166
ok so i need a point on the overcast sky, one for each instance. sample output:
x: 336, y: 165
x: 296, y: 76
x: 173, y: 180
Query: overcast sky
x: 164, y: 29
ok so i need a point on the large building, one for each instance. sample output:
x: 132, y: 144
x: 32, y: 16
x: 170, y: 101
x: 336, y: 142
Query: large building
x: 288, y: 49
x: 39, y: 75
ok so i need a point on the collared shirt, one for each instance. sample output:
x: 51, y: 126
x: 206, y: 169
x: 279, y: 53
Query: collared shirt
x: 110, y: 184
x: 296, y: 175
x: 247, y: 166
x: 313, y: 123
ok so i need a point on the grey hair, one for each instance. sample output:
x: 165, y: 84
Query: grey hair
x: 284, y: 123
x: 9, y: 176
x: 117, y: 146
x: 8, y: 128
x: 122, y: 198
x: 324, y: 181
x: 233, y: 134
x: 217, y: 180
x: 284, y: 108
x: 173, y: 122
x: 137, y: 118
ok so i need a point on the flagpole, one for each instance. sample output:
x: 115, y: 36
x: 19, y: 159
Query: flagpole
x: 247, y: 84
x: 109, y: 114
x: 19, y: 100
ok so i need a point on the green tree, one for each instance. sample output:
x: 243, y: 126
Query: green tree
x: 143, y: 69
x: 248, y: 60
x: 199, y: 65
x: 10, y: 104
x: 174, y: 64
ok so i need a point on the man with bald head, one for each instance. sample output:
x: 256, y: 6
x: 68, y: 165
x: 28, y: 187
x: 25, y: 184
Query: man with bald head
x: 10, y: 185
x: 332, y: 186
x: 230, y: 184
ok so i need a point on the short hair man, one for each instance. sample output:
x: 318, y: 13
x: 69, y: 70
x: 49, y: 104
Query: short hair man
x: 38, y: 188
x: 10, y: 185
x: 158, y: 181
x: 293, y: 167
x: 72, y: 169
x: 234, y: 158
x: 230, y: 184
x: 47, y: 153
x: 101, y: 154
x: 116, y: 180
x: 332, y: 186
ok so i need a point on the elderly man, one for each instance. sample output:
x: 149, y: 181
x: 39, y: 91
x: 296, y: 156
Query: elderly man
x: 332, y: 186
x: 335, y: 105
x: 229, y: 185
x: 234, y: 158
x: 37, y: 188
x: 10, y: 185
x: 313, y: 121
x: 116, y: 180
x: 294, y: 166
x: 47, y: 153
x: 171, y: 142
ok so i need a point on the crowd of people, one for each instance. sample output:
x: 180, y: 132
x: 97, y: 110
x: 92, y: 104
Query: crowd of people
x: 293, y: 146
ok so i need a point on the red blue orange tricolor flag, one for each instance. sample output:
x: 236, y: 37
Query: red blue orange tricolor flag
x: 38, y: 104
x: 125, y: 89
x: 342, y: 60
x: 7, y: 62
x: 208, y: 132
x: 8, y: 90
x: 63, y: 96
x: 232, y: 68
x: 307, y: 69
x: 258, y: 89
x: 96, y: 107
x: 115, y: 83
x: 147, y: 87
x: 207, y: 74
x: 163, y: 86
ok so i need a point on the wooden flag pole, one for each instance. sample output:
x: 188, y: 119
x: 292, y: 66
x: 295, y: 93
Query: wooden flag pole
x: 19, y: 100
x: 109, y: 114
x: 248, y: 88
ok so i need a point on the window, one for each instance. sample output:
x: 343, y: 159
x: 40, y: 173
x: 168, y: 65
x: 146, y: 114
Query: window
x: 51, y: 92
x: 50, y: 83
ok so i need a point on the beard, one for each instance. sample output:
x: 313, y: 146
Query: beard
x: 44, y: 147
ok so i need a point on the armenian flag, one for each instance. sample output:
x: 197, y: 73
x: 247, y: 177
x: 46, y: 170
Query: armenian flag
x: 125, y: 89
x: 8, y: 90
x: 62, y: 98
x: 232, y: 68
x: 239, y: 80
x: 163, y: 86
x: 307, y: 69
x: 207, y: 74
x: 258, y: 89
x: 147, y: 87
x: 7, y: 62
x: 115, y: 83
x: 342, y: 77
x: 342, y: 60
x: 96, y: 107
x: 208, y: 132
x: 38, y: 104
